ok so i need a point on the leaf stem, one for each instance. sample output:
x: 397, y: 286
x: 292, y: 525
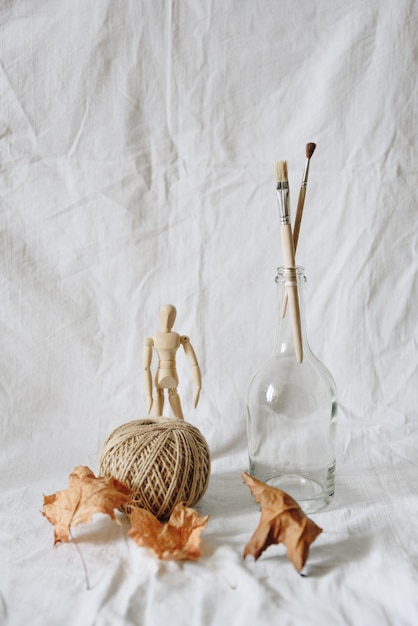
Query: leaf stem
x: 83, y: 562
x: 217, y: 572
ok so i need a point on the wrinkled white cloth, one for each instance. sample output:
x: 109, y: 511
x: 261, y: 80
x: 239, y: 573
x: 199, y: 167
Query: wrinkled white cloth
x: 137, y: 150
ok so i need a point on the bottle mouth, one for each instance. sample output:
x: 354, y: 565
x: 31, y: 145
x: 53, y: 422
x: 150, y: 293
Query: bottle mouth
x: 294, y: 273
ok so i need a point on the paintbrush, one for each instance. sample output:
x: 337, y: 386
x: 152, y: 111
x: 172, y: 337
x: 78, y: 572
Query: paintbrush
x: 310, y: 149
x: 288, y: 251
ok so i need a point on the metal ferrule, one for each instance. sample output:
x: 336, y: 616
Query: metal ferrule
x: 282, y: 190
x: 305, y: 174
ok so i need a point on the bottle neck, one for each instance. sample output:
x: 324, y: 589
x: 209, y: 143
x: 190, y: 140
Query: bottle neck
x: 284, y: 334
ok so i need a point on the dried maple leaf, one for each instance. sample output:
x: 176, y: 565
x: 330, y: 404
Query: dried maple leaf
x: 176, y: 540
x: 85, y: 496
x: 282, y: 521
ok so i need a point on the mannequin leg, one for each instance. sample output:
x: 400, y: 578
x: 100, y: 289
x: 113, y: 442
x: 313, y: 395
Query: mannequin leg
x: 158, y: 402
x: 175, y: 403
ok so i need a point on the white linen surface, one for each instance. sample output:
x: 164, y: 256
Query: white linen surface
x: 137, y: 150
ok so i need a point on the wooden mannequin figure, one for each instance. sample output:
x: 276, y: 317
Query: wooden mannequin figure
x: 166, y: 344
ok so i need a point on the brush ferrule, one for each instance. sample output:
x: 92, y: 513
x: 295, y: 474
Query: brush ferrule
x: 305, y: 174
x: 282, y: 191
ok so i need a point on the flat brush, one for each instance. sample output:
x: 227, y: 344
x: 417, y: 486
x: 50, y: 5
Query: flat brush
x: 310, y: 149
x: 288, y: 251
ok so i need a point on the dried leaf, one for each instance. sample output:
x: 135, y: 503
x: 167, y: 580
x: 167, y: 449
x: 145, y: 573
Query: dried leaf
x: 282, y: 521
x: 176, y: 540
x: 85, y: 496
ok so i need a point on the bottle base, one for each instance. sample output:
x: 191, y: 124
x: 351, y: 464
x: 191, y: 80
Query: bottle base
x: 311, y: 494
x: 308, y: 493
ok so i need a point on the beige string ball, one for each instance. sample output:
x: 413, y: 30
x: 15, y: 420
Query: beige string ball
x: 163, y: 461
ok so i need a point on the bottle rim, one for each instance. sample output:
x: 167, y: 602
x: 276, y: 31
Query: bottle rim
x: 283, y: 273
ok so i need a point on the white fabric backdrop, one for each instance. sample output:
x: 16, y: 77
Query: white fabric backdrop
x: 137, y: 150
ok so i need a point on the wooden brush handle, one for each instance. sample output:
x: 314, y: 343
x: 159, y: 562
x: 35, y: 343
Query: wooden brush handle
x: 292, y: 291
x: 296, y: 229
x: 292, y: 288
x: 298, y: 218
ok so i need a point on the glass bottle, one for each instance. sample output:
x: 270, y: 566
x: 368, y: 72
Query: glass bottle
x: 291, y: 415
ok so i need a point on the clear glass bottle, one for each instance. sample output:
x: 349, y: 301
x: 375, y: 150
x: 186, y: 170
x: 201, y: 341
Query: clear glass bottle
x: 291, y: 415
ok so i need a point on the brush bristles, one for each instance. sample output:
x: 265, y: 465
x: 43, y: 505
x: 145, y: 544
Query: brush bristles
x: 281, y: 171
x: 310, y: 149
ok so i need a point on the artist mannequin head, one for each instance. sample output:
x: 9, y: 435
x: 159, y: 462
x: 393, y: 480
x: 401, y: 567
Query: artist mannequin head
x: 167, y: 317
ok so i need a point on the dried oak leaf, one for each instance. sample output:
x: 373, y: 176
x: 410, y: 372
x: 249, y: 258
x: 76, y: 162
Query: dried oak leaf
x: 176, y: 540
x: 282, y: 521
x: 85, y: 496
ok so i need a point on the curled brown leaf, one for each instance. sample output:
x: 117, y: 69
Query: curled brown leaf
x: 177, y: 540
x: 282, y: 521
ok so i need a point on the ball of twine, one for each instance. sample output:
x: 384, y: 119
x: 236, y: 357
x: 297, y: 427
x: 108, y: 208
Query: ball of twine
x: 163, y: 461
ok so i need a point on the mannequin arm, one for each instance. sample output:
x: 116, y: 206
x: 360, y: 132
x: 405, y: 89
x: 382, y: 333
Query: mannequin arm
x: 197, y: 379
x: 146, y: 363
